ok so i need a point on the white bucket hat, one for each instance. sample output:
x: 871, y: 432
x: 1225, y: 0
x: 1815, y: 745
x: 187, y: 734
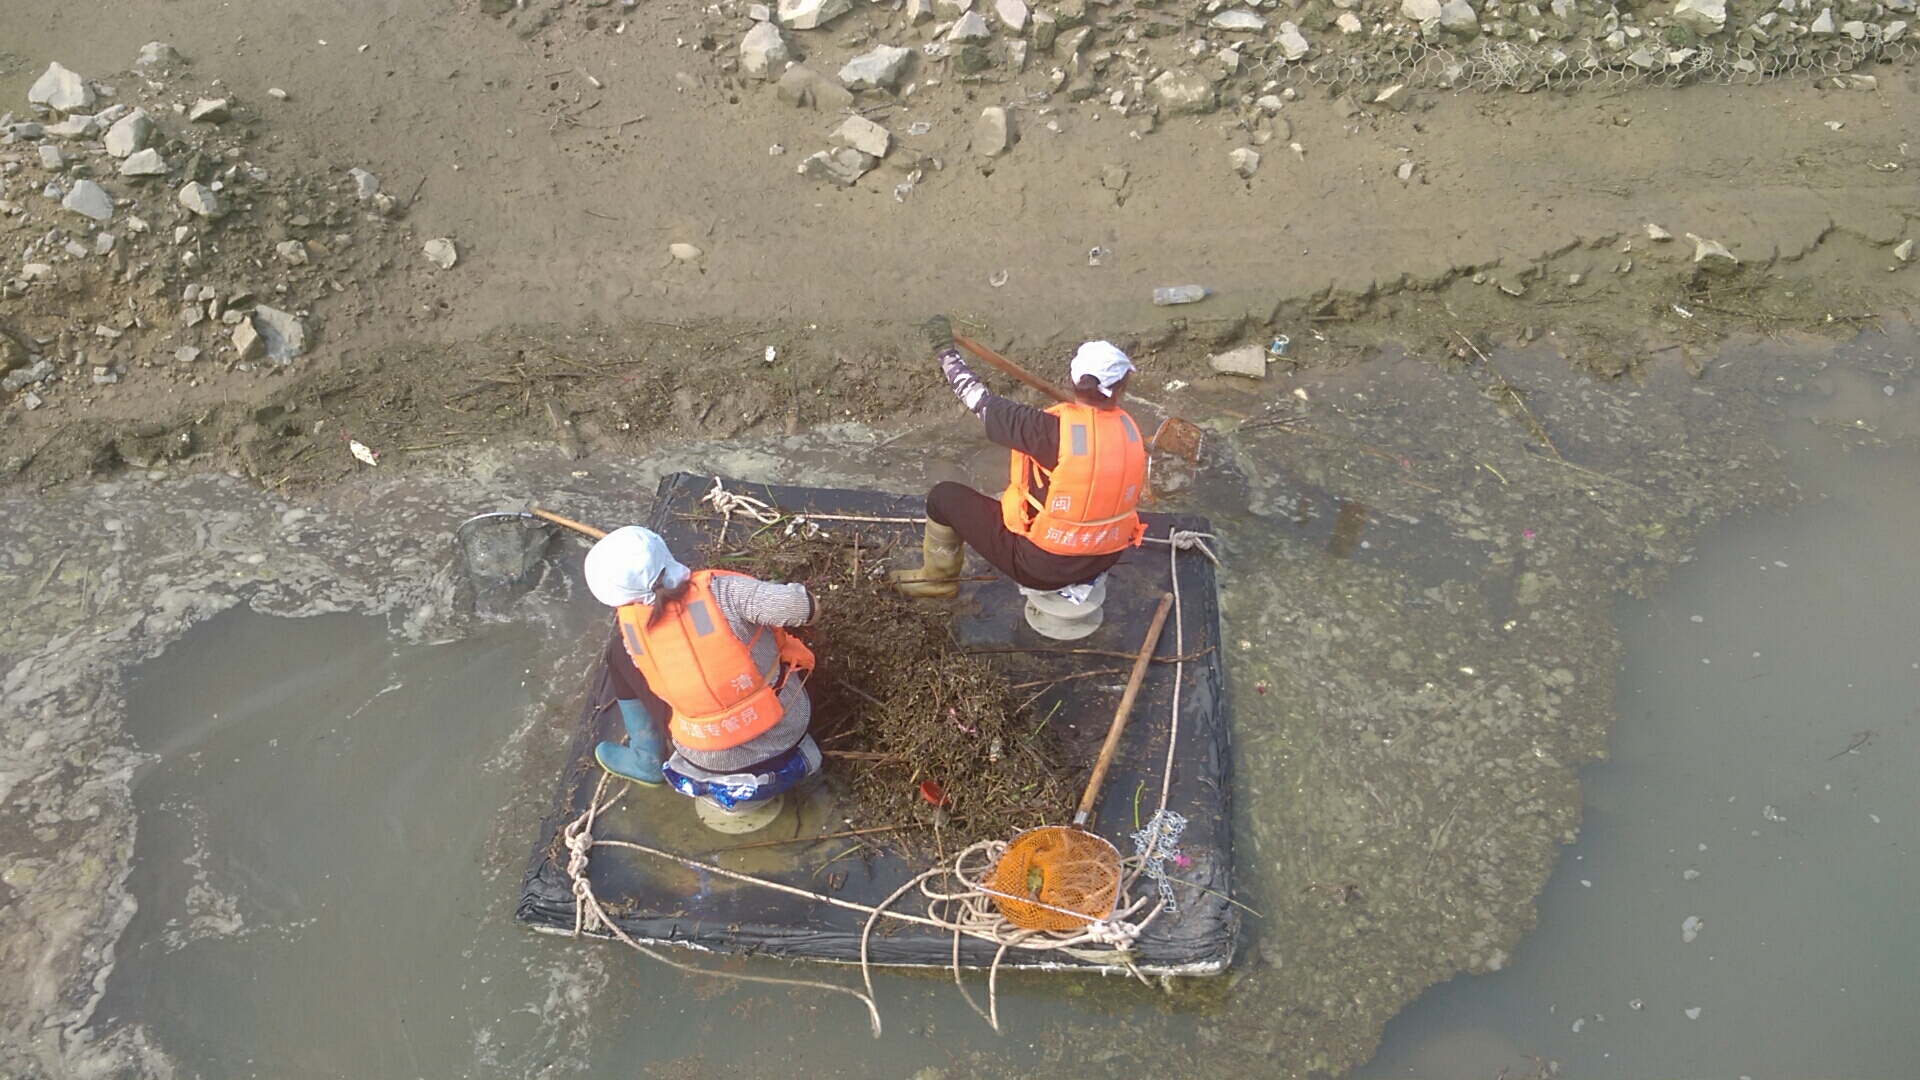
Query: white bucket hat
x: 627, y: 564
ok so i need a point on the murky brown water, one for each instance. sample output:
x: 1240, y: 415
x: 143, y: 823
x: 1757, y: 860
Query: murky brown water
x: 310, y: 861
x: 1421, y: 646
x: 1731, y: 798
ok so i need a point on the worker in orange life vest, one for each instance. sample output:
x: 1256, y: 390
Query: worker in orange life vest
x: 709, y: 649
x: 1077, y: 472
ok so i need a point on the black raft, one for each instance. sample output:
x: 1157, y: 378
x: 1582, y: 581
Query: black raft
x: 690, y: 888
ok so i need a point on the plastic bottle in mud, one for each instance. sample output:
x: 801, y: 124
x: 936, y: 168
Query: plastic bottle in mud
x: 1179, y: 294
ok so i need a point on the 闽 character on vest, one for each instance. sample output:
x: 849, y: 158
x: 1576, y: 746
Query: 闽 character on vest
x: 711, y: 688
x: 1077, y: 472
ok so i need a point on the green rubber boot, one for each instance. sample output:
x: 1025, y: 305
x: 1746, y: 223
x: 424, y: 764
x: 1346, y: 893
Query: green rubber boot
x: 938, y: 576
x: 646, y: 750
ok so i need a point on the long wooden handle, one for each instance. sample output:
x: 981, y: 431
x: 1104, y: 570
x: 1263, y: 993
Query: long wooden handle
x: 1012, y: 368
x: 548, y: 515
x: 1112, y: 745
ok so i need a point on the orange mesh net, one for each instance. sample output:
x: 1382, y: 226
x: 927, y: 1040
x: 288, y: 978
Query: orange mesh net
x: 1060, y: 868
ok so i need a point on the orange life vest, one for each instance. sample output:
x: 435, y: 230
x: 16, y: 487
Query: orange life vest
x: 1091, y: 491
x: 691, y: 658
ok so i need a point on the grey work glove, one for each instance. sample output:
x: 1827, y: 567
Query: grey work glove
x: 939, y: 333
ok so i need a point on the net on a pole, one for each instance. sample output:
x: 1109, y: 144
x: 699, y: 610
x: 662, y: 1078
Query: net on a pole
x: 505, y: 556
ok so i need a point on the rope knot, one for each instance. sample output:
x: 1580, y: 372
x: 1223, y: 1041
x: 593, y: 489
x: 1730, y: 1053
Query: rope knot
x: 1193, y: 540
x: 728, y: 503
x: 1117, y: 933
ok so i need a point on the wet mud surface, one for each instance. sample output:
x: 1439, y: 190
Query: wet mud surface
x: 1413, y: 685
x: 568, y: 321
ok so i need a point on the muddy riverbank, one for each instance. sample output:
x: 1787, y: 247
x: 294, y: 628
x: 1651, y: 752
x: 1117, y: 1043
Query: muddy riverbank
x: 569, y: 318
x: 1514, y: 387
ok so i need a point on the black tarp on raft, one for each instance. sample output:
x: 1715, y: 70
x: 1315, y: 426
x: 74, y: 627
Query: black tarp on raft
x: 658, y: 901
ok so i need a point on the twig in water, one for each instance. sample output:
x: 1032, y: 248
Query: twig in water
x: 606, y: 127
x: 1343, y: 892
x: 1533, y: 422
x: 1188, y: 658
x: 1558, y: 460
x: 851, y: 848
x: 809, y: 839
x: 34, y: 592
x: 1339, y: 440
x: 1058, y: 679
x: 1406, y: 736
x: 1251, y: 911
x: 1859, y: 741
x: 1437, y: 837
x: 793, y: 402
x: 1282, y: 425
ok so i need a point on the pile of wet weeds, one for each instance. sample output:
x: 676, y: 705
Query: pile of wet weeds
x: 920, y: 736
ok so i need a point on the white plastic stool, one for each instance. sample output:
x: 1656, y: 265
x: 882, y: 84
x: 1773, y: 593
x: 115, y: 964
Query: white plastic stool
x: 1054, y: 616
x: 743, y: 819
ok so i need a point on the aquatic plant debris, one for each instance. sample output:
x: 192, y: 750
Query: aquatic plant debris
x: 908, y: 721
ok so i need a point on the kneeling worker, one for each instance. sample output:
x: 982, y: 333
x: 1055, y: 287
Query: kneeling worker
x: 709, y: 644
x: 1077, y: 471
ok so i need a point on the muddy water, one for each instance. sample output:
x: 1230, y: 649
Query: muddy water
x: 1417, y: 608
x: 311, y: 833
x: 321, y: 894
x: 1732, y: 798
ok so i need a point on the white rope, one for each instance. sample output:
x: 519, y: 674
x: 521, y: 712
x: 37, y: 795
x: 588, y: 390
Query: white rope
x: 969, y: 912
x: 1155, y: 843
x: 1179, y: 540
x: 589, y: 916
x: 728, y: 503
x: 1185, y: 540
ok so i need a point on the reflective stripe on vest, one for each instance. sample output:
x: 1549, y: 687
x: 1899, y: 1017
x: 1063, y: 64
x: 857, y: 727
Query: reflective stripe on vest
x: 706, y: 675
x: 1092, y: 490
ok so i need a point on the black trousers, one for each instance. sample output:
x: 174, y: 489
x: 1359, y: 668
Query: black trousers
x: 628, y: 683
x: 976, y: 518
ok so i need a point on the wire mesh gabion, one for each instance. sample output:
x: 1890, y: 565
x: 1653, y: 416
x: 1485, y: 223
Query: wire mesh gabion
x: 1491, y: 64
